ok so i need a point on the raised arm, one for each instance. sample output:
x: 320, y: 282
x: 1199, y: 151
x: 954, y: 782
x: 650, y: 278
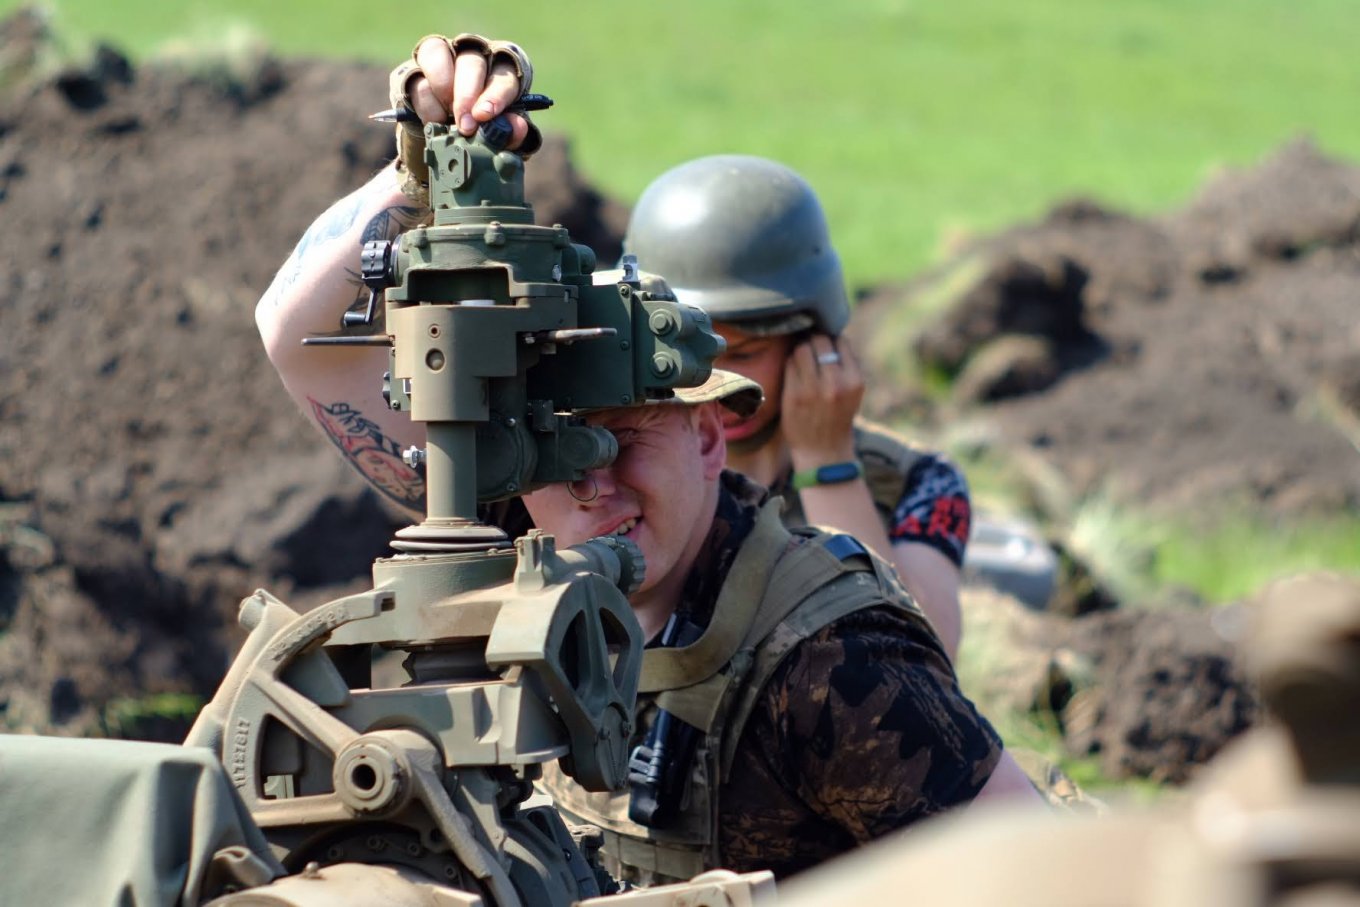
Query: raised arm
x: 340, y: 388
x: 819, y: 403
x: 467, y: 80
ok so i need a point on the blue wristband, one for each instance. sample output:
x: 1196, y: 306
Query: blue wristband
x: 830, y: 474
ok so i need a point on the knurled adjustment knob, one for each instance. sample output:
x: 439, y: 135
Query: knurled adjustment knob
x: 375, y: 270
x: 632, y: 563
x: 496, y: 132
x: 375, y: 264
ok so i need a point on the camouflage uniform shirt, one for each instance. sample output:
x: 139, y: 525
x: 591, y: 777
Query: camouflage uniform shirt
x: 860, y: 731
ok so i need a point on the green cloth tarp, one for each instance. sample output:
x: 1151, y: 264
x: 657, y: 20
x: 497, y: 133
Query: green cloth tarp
x: 94, y: 822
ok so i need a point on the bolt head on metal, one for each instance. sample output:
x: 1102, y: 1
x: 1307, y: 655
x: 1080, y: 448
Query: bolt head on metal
x: 662, y: 365
x: 661, y: 322
x: 369, y: 778
x: 413, y: 457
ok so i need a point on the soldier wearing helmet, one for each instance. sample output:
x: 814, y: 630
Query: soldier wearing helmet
x: 745, y: 239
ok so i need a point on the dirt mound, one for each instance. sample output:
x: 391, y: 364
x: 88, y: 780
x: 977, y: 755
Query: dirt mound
x: 1147, y: 693
x: 1165, y: 695
x: 145, y: 438
x: 1208, y: 356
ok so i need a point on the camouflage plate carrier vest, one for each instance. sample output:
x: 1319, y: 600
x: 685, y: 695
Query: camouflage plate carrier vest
x: 887, y: 458
x: 777, y: 594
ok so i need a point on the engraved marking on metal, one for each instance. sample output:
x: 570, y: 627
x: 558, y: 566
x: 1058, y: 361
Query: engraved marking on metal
x: 240, y: 751
x: 315, y: 624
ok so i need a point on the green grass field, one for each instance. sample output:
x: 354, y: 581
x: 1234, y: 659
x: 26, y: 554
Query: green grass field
x: 915, y: 120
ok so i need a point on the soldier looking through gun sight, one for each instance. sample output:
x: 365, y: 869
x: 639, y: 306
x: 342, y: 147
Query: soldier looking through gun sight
x: 825, y: 711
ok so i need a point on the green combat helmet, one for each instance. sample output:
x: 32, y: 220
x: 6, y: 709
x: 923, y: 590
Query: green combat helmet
x: 744, y: 239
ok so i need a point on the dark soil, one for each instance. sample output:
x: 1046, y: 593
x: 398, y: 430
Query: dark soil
x: 153, y: 472
x: 1205, y: 357
x: 1151, y: 693
x: 1166, y: 691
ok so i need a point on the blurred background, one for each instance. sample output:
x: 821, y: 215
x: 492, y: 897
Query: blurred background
x: 1106, y: 254
x: 915, y: 120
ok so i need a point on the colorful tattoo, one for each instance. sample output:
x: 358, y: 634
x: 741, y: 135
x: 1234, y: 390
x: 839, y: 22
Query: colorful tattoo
x: 376, y: 456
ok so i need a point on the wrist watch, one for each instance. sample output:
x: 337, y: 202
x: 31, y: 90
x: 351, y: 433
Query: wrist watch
x: 830, y: 474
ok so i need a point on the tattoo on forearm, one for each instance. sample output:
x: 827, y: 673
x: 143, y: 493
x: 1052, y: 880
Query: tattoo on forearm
x: 376, y: 456
x: 383, y: 225
x: 391, y: 221
x: 337, y: 219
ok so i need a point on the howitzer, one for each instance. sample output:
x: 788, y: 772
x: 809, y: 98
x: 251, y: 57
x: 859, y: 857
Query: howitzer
x: 515, y: 654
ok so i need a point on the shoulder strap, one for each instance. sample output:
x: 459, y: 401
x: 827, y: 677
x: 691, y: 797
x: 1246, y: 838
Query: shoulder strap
x: 887, y: 458
x: 667, y: 669
x: 802, y: 570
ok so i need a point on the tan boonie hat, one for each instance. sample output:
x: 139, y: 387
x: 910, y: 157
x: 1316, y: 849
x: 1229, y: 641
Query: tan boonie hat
x: 741, y: 395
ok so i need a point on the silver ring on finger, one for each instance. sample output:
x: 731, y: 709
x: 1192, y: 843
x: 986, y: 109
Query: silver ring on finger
x: 831, y: 357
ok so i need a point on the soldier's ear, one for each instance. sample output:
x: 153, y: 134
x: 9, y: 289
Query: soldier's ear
x: 712, y: 442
